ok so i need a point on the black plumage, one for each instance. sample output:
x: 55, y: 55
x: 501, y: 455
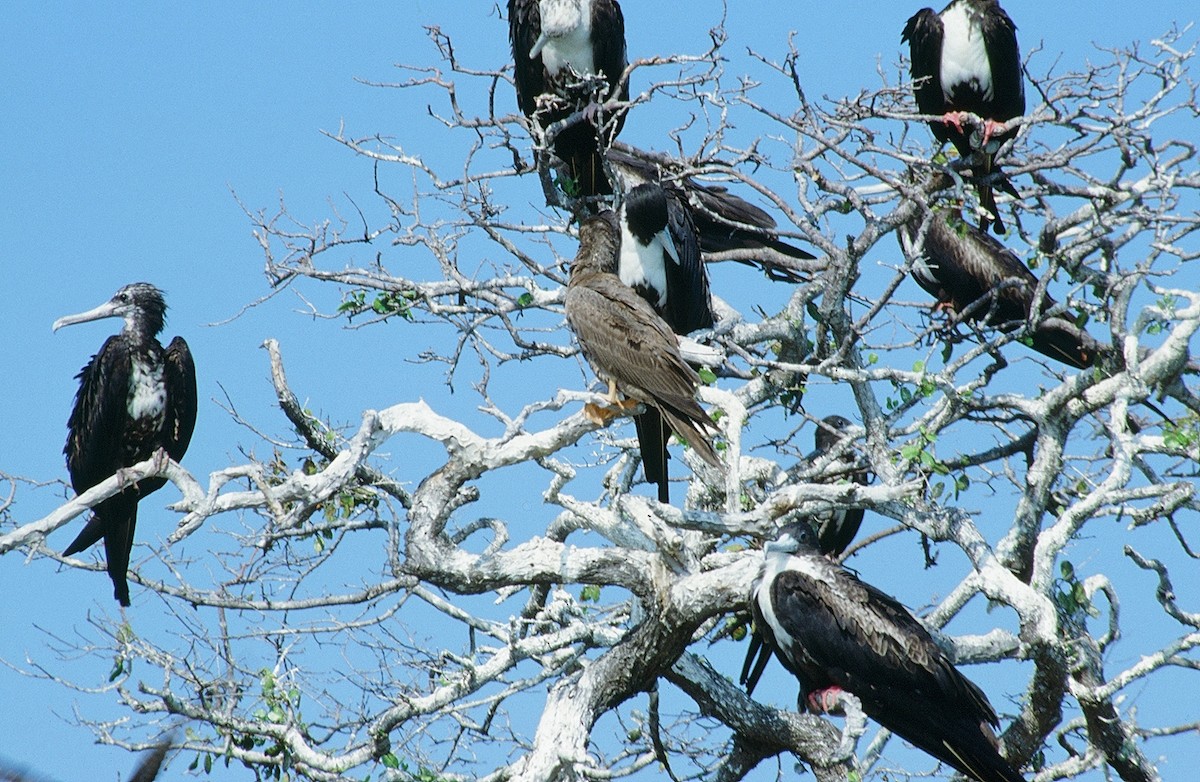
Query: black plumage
x: 626, y: 342
x: 836, y: 527
x: 554, y: 43
x: 134, y: 398
x: 975, y: 276
x: 966, y: 60
x: 833, y: 631
x: 724, y: 223
x: 660, y: 260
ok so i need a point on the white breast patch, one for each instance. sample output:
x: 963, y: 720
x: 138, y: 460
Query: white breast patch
x: 964, y: 57
x: 147, y: 390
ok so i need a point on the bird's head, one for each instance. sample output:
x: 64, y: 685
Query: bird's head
x: 140, y: 304
x: 830, y: 430
x: 793, y: 538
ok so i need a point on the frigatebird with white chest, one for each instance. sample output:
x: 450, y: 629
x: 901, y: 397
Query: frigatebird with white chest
x: 554, y: 44
x: 134, y: 398
x: 965, y: 60
x: 723, y: 223
x: 660, y: 260
x: 835, y: 632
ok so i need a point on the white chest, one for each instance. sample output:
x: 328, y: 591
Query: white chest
x: 964, y: 56
x: 147, y: 390
x: 568, y: 27
x: 774, y: 564
x: 643, y: 266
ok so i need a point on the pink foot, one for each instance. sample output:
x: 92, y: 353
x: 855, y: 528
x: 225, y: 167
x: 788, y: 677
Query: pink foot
x: 823, y: 701
x: 954, y: 119
x: 990, y: 128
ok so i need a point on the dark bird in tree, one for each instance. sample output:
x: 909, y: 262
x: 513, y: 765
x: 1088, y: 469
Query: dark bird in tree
x: 725, y: 224
x: 977, y: 278
x: 627, y: 343
x: 835, y: 528
x: 965, y: 60
x: 134, y: 399
x: 834, y: 632
x: 556, y: 44
x: 660, y: 260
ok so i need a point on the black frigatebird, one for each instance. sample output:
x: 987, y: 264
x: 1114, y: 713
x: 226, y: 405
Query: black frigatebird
x: 554, y: 43
x: 975, y: 276
x: 836, y: 527
x: 966, y: 60
x: 134, y: 398
x: 626, y: 342
x: 835, y: 632
x: 660, y: 260
x: 724, y: 223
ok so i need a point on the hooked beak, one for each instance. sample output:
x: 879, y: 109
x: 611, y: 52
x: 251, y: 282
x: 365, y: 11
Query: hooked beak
x: 106, y: 310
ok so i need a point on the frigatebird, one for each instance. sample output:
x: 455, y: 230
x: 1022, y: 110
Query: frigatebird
x: 963, y: 61
x: 554, y: 44
x: 976, y: 277
x: 835, y: 632
x: 836, y: 527
x: 724, y: 223
x: 134, y: 399
x: 627, y: 343
x: 660, y: 260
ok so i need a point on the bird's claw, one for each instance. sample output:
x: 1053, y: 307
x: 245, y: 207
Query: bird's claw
x: 825, y: 701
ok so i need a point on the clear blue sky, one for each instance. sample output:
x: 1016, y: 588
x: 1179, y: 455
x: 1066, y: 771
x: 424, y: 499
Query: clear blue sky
x: 126, y: 130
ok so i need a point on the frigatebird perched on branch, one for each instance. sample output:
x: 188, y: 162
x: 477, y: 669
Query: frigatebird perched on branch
x: 976, y: 277
x: 835, y: 632
x: 558, y: 43
x: 134, y: 399
x: 964, y: 61
x: 627, y: 343
x: 660, y: 260
x: 724, y: 223
x: 836, y: 527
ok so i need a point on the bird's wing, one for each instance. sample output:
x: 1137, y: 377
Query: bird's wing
x: 689, y: 304
x: 97, y: 423
x: 622, y: 336
x: 179, y: 374
x: 924, y: 35
x: 868, y: 644
x: 609, y: 55
x: 1004, y: 57
x: 529, y: 75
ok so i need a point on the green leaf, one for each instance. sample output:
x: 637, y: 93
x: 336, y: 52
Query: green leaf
x: 707, y: 376
x: 390, y: 761
x: 525, y: 299
x: 590, y: 594
x: 1067, y: 570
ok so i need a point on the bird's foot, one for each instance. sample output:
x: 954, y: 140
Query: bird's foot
x: 598, y: 415
x: 161, y: 459
x: 825, y: 701
x: 990, y: 128
x: 955, y: 119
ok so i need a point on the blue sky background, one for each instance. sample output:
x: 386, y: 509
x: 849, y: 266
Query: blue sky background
x: 127, y: 132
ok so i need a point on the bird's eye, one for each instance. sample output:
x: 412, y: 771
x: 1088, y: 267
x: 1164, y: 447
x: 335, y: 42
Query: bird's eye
x: 122, y: 297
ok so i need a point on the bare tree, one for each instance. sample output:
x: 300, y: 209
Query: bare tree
x: 341, y: 613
